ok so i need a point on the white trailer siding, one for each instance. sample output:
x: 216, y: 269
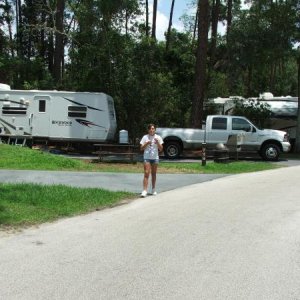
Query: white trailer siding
x: 56, y: 115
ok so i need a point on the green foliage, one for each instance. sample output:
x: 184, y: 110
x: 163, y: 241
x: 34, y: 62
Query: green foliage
x: 107, y: 51
x: 256, y: 111
x: 218, y: 85
x: 260, y: 43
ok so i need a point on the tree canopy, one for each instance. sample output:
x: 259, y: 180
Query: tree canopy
x: 112, y: 47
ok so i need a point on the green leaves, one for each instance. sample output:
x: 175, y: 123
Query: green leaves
x: 107, y: 50
x: 257, y: 112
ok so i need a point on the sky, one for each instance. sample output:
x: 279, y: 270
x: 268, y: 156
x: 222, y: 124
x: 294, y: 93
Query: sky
x: 163, y: 13
x: 181, y: 7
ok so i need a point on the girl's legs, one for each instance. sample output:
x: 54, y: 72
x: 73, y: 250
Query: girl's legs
x: 147, y: 168
x: 153, y: 175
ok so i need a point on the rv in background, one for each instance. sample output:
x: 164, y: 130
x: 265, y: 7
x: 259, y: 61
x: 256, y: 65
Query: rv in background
x: 56, y: 116
x: 283, y: 108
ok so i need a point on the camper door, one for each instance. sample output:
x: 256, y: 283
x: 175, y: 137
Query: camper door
x: 41, y: 116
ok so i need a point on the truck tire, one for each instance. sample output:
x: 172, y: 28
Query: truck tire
x: 172, y: 149
x: 270, y: 152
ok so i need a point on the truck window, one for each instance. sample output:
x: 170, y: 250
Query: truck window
x: 240, y: 124
x: 219, y: 123
x: 77, y: 111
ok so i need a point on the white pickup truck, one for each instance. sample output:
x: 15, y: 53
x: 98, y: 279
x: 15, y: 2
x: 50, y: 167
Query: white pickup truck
x: 267, y: 142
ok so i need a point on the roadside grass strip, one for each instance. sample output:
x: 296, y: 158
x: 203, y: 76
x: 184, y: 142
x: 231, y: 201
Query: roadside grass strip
x: 211, y: 167
x: 29, y: 204
x: 22, y: 158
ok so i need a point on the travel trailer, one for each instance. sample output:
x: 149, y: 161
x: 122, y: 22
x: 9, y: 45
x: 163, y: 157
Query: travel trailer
x: 283, y: 108
x: 56, y: 116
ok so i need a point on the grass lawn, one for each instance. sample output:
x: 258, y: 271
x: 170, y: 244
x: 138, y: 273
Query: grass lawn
x: 19, y: 158
x: 29, y: 204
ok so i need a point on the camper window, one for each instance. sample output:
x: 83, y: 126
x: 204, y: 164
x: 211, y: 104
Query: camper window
x: 42, y: 106
x: 11, y: 110
x: 77, y: 111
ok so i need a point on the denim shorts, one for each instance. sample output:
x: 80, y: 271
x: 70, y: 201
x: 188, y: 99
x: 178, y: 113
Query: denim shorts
x: 151, y: 161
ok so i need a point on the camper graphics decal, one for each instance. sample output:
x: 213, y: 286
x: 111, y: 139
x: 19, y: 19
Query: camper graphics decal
x: 62, y: 123
x: 9, y: 125
x: 87, y: 123
x: 90, y: 107
x: 12, y: 101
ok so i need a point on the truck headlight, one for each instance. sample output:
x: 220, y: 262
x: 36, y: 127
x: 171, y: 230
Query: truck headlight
x: 286, y: 138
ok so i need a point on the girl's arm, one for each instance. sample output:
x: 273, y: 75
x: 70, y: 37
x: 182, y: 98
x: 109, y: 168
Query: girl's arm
x: 144, y: 145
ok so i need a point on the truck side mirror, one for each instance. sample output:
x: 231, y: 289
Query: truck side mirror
x: 248, y: 128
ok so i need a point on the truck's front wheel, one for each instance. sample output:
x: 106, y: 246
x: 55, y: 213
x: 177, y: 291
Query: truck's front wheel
x: 270, y: 152
x: 172, y: 149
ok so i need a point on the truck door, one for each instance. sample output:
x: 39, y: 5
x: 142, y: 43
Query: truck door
x: 218, y: 131
x: 248, y: 132
x: 41, y: 116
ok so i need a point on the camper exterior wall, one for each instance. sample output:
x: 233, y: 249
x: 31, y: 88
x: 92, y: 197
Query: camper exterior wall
x: 57, y: 115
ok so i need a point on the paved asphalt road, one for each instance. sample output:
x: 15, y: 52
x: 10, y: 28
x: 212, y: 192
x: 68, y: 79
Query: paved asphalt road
x: 236, y: 237
x: 111, y: 181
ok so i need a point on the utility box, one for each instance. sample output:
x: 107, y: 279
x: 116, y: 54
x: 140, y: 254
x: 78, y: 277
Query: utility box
x: 221, y: 153
x: 123, y: 137
x: 234, y: 144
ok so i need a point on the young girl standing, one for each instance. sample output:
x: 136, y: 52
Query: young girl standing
x: 151, y: 144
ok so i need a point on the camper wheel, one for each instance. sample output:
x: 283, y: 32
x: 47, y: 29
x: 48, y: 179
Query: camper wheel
x: 29, y: 143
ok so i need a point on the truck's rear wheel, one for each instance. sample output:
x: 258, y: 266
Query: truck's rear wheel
x: 172, y: 149
x: 270, y: 152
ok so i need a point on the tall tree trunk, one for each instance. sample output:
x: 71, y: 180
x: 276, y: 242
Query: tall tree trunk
x: 195, y: 25
x: 249, y: 81
x: 19, y: 74
x: 297, y: 143
x: 19, y: 28
x: 147, y: 18
x: 154, y: 19
x: 214, y: 35
x: 42, y: 37
x: 50, y: 52
x: 214, y: 31
x: 273, y: 68
x: 201, y: 66
x: 9, y: 28
x: 170, y: 26
x: 229, y: 18
x: 228, y: 45
x: 59, y: 41
x: 126, y: 22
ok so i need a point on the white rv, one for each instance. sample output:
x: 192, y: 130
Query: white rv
x: 283, y: 108
x: 284, y: 112
x: 73, y: 117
